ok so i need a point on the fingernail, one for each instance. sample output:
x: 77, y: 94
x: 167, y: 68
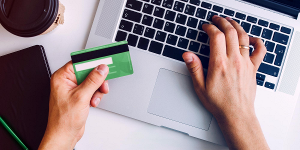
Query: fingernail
x: 97, y: 101
x: 102, y: 69
x: 188, y: 59
x: 228, y: 18
x: 107, y: 86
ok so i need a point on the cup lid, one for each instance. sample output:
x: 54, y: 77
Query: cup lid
x: 28, y: 18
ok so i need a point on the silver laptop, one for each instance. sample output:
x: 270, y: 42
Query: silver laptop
x: 160, y: 91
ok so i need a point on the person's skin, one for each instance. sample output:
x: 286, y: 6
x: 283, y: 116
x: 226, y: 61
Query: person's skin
x: 228, y: 92
x: 69, y: 106
x: 230, y: 87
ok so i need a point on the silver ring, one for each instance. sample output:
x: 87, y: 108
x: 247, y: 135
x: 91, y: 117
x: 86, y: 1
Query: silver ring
x: 244, y: 47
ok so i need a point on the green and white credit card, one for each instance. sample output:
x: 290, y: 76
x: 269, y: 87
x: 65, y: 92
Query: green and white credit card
x: 116, y: 56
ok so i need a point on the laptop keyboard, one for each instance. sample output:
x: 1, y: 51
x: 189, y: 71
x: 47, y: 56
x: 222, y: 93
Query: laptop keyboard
x: 171, y: 27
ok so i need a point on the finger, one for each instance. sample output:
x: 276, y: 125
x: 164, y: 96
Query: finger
x: 96, y: 99
x: 94, y: 80
x: 259, y: 52
x: 194, y: 65
x: 242, y: 36
x: 232, y: 42
x: 104, y: 87
x: 217, y: 41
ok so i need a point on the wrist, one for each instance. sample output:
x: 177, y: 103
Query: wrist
x: 56, y: 139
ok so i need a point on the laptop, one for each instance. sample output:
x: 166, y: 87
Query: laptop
x: 160, y: 92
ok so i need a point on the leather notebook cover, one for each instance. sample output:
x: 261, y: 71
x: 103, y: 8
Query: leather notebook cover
x: 24, y: 97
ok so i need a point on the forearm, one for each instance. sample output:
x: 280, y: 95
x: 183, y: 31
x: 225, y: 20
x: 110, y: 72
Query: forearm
x: 243, y: 133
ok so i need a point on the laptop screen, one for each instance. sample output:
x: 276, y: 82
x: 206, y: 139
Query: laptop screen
x: 290, y: 7
x: 289, y: 3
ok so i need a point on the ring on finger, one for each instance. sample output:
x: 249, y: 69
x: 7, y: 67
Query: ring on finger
x: 244, y: 47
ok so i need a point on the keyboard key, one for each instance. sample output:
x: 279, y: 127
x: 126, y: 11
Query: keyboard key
x: 263, y: 23
x: 169, y: 27
x: 194, y: 46
x: 132, y: 40
x: 170, y: 15
x: 279, y: 59
x: 160, y: 36
x: 192, y: 22
x: 146, y: 0
x: 256, y: 30
x: 269, y: 58
x: 251, y: 19
x: 210, y: 15
x: 134, y: 4
x: 268, y: 69
x: 205, y: 50
x: 138, y: 29
x: 217, y: 8
x: 270, y: 46
x: 147, y: 20
x: 259, y: 82
x: 143, y: 43
x: 159, y: 12
x: 229, y: 12
x: 178, y: 6
x: 148, y: 9
x: 240, y: 16
x: 181, y: 19
x: 149, y: 33
x: 190, y: 10
x: 201, y: 13
x: 158, y: 23
x: 236, y: 20
x: 174, y: 53
x: 286, y: 30
x: 260, y: 77
x: 185, y: 0
x: 172, y: 39
x: 183, y: 43
x: 192, y: 34
x: 269, y: 85
x: 267, y: 34
x: 168, y: 3
x: 274, y: 26
x: 126, y: 25
x: 280, y: 38
x: 195, y: 2
x: 280, y: 53
x: 180, y: 30
x: 206, y: 5
x: 156, y: 47
x: 133, y: 16
x: 280, y: 49
x: 121, y: 36
x: 202, y: 37
x: 246, y: 26
x: 201, y: 23
x: 156, y: 2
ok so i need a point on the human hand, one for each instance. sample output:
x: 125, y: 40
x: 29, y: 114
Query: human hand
x: 229, y: 90
x: 69, y: 105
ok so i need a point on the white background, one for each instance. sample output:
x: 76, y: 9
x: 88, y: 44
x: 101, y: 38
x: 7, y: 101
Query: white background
x: 105, y: 130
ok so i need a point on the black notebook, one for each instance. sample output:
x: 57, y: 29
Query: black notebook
x: 24, y: 97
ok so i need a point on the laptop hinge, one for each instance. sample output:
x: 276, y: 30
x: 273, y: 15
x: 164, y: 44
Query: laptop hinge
x: 290, y: 11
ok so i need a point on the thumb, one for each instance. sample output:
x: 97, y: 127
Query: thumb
x: 194, y: 65
x: 94, y: 80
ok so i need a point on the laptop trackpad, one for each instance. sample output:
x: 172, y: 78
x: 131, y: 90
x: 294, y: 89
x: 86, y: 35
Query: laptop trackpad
x: 174, y: 98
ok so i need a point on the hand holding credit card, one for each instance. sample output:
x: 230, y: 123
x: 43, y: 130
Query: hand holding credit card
x: 116, y: 56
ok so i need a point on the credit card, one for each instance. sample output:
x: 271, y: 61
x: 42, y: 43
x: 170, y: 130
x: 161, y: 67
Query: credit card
x: 116, y: 56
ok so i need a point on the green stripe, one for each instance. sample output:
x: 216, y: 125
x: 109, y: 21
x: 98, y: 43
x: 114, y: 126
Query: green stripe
x: 99, y: 47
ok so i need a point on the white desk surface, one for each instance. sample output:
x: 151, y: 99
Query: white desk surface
x: 105, y: 130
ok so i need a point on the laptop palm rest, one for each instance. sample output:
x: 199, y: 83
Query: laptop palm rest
x: 174, y: 98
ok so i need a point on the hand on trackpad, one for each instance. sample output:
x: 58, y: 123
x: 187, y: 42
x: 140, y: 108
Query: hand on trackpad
x: 174, y: 98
